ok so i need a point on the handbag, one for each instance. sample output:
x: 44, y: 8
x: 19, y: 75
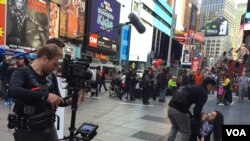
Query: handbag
x: 220, y: 91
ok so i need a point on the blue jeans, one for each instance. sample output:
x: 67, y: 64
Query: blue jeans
x: 180, y: 122
x: 162, y: 93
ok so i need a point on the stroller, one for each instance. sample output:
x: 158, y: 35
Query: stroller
x: 115, y: 88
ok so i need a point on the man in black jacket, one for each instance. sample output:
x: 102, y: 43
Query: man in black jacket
x: 36, y: 92
x: 180, y: 103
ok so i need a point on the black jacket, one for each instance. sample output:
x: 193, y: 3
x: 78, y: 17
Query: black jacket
x: 21, y: 86
x: 198, y: 96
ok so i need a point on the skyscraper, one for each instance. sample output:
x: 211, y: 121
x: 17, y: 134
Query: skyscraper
x: 219, y: 9
x: 190, y: 14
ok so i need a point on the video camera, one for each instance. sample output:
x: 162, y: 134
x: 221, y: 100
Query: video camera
x: 75, y: 71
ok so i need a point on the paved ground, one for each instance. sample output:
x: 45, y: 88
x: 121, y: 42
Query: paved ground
x: 130, y: 121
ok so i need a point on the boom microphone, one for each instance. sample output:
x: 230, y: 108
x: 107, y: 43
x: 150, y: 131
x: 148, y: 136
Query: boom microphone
x: 135, y: 21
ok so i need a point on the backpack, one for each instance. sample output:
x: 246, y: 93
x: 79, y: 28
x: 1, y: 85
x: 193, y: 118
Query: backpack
x: 181, y: 95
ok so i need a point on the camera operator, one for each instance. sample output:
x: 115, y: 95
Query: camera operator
x: 37, y: 97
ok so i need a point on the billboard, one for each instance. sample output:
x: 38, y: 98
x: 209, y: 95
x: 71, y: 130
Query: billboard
x: 2, y: 22
x: 218, y: 27
x: 104, y: 14
x: 102, y: 43
x: 188, y: 53
x: 72, y: 18
x: 28, y: 23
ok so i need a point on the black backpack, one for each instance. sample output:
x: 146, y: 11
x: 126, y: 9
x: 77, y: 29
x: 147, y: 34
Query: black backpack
x: 181, y: 95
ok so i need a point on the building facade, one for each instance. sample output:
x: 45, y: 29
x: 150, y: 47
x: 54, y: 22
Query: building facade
x: 241, y: 9
x: 214, y: 48
x: 156, y: 16
x: 190, y: 14
x: 212, y: 10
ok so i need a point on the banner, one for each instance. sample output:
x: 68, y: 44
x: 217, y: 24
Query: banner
x: 27, y: 23
x: 72, y: 18
x: 2, y: 22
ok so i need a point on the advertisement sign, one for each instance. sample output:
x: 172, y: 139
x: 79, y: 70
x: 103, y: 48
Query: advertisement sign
x: 196, y: 65
x: 2, y: 22
x: 102, y: 43
x: 105, y: 14
x: 27, y: 23
x: 53, y: 20
x: 219, y: 27
x: 188, y: 54
x: 72, y: 18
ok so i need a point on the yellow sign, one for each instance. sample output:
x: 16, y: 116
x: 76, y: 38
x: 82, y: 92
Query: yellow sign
x: 2, y: 1
x: 1, y: 31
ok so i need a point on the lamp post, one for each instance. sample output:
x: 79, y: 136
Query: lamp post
x: 171, y: 36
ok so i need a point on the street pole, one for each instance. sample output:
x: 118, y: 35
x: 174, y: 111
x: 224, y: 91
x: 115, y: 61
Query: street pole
x: 171, y: 36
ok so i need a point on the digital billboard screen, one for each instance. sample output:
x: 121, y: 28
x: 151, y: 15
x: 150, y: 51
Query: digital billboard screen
x: 218, y: 27
x: 104, y: 14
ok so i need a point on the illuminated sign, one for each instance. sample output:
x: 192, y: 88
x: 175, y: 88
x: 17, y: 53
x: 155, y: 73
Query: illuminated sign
x: 105, y: 14
x: 219, y: 27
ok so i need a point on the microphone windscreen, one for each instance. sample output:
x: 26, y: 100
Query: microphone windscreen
x: 136, y: 23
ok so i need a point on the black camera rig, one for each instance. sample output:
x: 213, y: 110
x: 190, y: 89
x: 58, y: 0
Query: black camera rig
x: 76, y: 72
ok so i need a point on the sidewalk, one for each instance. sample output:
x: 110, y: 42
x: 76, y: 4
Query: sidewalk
x: 131, y: 121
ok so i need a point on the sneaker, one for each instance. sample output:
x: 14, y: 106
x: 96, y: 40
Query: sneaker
x: 221, y: 104
x: 232, y: 103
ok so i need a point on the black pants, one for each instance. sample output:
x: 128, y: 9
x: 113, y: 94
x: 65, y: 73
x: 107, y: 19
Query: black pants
x: 145, y: 95
x: 248, y: 93
x: 228, y: 96
x: 48, y: 134
x: 102, y: 82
